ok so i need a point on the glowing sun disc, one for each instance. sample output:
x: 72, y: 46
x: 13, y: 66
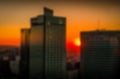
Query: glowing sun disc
x: 77, y: 42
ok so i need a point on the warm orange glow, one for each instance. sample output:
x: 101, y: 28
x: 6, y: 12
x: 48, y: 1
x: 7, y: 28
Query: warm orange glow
x: 77, y: 42
x: 87, y: 20
x: 10, y: 41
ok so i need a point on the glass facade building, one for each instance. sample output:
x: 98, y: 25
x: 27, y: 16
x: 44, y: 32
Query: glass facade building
x: 48, y: 46
x: 99, y: 54
x: 24, y: 62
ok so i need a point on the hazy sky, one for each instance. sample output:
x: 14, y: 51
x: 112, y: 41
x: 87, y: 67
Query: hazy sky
x: 81, y: 16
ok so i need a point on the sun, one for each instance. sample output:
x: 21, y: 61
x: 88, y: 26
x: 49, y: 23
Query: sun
x: 77, y: 42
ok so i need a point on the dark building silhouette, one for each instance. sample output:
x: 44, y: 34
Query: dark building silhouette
x: 70, y: 66
x: 77, y: 65
x: 99, y: 54
x: 5, y: 71
x: 47, y: 46
x: 24, y: 62
x: 73, y: 70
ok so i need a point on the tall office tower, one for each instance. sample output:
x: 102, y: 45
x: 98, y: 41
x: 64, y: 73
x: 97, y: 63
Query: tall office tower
x: 47, y: 46
x: 99, y: 54
x: 24, y: 62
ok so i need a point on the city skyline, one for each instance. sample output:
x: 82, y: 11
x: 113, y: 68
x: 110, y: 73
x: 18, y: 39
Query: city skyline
x: 60, y: 39
x: 80, y: 16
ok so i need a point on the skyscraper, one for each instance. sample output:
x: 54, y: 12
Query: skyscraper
x: 99, y: 54
x: 24, y: 62
x: 47, y: 46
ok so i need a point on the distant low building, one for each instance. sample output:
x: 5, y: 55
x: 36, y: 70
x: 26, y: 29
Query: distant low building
x: 73, y: 70
x: 5, y: 70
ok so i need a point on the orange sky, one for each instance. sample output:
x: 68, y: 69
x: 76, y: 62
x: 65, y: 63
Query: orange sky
x: 80, y: 17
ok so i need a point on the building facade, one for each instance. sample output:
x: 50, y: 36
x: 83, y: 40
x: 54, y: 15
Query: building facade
x: 24, y: 56
x: 47, y: 46
x: 99, y: 54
